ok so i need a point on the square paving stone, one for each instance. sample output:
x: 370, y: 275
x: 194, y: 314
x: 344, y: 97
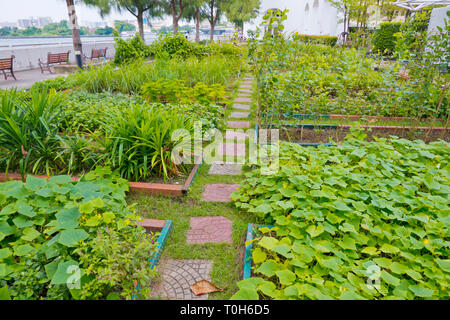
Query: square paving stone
x: 246, y: 86
x: 243, y: 100
x: 236, y: 135
x: 239, y: 114
x: 238, y: 124
x: 209, y: 229
x: 217, y: 192
x: 241, y: 106
x: 231, y: 149
x: 177, y: 277
x: 245, y: 91
x: 225, y: 169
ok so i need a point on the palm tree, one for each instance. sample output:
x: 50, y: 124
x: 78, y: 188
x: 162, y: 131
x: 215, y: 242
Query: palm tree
x: 75, y: 32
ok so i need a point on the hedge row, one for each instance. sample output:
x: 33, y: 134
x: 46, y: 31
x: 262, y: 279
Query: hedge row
x: 327, y: 40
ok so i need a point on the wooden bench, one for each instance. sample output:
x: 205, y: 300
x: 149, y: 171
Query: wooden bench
x: 7, y: 64
x: 98, y: 54
x: 53, y: 58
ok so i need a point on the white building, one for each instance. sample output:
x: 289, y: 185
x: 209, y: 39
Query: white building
x: 312, y: 17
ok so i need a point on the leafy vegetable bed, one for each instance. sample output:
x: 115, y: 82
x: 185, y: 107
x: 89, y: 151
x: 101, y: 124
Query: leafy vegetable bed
x: 338, y: 135
x: 62, y: 239
x: 364, y: 220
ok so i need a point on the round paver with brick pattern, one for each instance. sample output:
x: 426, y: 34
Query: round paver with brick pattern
x: 179, y: 275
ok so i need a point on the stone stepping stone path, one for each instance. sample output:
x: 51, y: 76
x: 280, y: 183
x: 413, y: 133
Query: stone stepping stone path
x: 209, y: 229
x: 239, y: 114
x: 231, y: 149
x: 179, y: 275
x: 243, y: 100
x: 238, y: 124
x: 241, y: 106
x: 217, y: 192
x: 235, y: 135
x: 225, y: 169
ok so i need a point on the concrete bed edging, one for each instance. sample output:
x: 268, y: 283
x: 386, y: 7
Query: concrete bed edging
x: 303, y: 144
x: 154, y: 259
x: 247, y: 274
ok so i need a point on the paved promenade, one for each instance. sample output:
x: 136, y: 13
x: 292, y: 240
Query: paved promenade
x: 25, y: 79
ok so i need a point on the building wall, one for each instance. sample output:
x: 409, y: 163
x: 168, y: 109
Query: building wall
x: 437, y: 19
x: 313, y: 17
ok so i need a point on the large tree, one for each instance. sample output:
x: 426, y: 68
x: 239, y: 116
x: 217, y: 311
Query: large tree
x: 136, y: 7
x: 176, y: 9
x: 192, y: 11
x: 213, y: 10
x: 77, y: 47
x: 238, y: 11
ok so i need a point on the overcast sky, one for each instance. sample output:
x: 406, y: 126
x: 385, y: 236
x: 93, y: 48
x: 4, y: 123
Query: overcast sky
x: 12, y: 10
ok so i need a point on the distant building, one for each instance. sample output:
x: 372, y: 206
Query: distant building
x: 38, y: 22
x: 8, y: 24
x: 313, y: 17
x: 94, y: 24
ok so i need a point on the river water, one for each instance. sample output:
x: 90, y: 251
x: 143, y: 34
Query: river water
x: 33, y: 41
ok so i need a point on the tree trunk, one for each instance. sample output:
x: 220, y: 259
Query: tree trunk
x: 211, y: 22
x: 211, y: 33
x: 77, y: 47
x: 140, y: 21
x: 175, y: 25
x: 197, y: 25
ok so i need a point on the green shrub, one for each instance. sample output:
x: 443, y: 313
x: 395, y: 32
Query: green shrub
x: 130, y: 50
x: 326, y: 40
x: 412, y: 36
x: 29, y: 132
x: 86, y: 111
x: 137, y: 141
x: 175, y: 45
x: 172, y: 91
x: 62, y: 239
x: 383, y: 39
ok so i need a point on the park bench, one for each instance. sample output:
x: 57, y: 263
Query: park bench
x: 98, y: 54
x: 52, y: 59
x: 6, y: 64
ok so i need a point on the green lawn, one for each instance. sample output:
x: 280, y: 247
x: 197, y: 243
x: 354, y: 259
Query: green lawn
x: 228, y: 258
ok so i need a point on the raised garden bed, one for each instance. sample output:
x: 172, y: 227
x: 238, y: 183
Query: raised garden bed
x: 323, y: 136
x: 146, y: 187
x: 155, y: 226
x: 288, y: 115
x: 314, y: 135
x: 251, y: 228
x: 304, y: 144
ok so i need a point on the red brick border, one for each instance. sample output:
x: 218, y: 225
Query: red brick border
x: 150, y: 188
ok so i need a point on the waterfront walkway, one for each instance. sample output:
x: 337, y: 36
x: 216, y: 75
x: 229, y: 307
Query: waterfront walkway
x: 25, y: 79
